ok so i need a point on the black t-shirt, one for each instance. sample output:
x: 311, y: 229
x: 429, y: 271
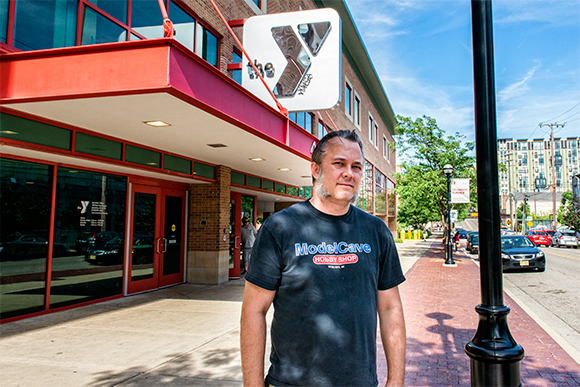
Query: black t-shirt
x: 326, y: 271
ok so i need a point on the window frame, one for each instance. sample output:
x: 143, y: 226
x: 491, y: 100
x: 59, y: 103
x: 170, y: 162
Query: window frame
x: 348, y: 99
x: 357, y: 110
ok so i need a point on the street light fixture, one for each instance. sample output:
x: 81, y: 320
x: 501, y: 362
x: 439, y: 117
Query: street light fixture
x: 448, y: 171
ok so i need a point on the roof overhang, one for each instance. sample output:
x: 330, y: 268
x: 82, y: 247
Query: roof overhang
x: 114, y: 88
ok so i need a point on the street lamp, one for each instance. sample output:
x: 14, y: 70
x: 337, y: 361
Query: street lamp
x: 448, y: 171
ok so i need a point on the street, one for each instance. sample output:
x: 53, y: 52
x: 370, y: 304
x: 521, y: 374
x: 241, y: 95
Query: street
x: 553, y: 295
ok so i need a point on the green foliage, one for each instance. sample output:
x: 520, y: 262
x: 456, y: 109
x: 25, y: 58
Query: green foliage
x: 423, y: 150
x: 570, y: 214
x: 520, y: 209
x: 398, y: 240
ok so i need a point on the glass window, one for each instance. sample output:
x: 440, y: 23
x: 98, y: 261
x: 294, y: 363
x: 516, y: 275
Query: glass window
x: 34, y: 132
x: 146, y: 18
x: 97, y: 146
x: 206, y: 45
x: 98, y: 29
x: 56, y: 28
x: 322, y: 130
x: 142, y: 156
x: 253, y: 181
x: 237, y: 74
x: 90, y: 222
x: 115, y: 8
x: 176, y: 164
x: 268, y: 185
x: 26, y: 191
x: 238, y: 178
x: 257, y: 2
x: 380, y: 193
x: 183, y: 24
x: 391, y: 206
x: 356, y: 117
x: 365, y: 197
x: 204, y: 170
x: 292, y: 190
x: 308, y: 123
x: 347, y: 100
x: 280, y: 188
x: 4, y: 6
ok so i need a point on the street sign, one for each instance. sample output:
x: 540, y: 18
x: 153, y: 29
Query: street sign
x: 453, y: 216
x: 530, y: 223
x: 460, y: 191
x: 508, y: 222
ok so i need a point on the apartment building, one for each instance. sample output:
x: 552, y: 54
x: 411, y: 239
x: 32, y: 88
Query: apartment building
x: 529, y: 164
x: 129, y: 156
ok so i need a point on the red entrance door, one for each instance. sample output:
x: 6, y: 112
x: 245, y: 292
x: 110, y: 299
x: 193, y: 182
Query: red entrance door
x: 156, y: 246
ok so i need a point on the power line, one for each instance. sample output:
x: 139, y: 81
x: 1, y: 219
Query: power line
x: 552, y: 119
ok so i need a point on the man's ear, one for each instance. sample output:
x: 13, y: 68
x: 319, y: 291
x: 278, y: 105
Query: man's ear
x: 314, y: 169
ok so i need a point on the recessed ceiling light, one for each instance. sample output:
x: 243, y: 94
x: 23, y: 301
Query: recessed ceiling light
x: 217, y: 145
x: 257, y: 159
x: 284, y: 169
x: 156, y: 124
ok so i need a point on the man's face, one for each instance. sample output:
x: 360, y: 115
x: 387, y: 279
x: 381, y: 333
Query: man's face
x: 338, y: 177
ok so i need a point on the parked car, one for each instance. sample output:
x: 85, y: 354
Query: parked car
x: 540, y: 237
x: 565, y: 238
x: 27, y: 245
x: 112, y: 252
x: 519, y: 252
x: 86, y: 239
x: 473, y: 242
x: 462, y: 233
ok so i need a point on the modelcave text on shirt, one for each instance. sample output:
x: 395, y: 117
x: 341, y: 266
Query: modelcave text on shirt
x: 331, y: 248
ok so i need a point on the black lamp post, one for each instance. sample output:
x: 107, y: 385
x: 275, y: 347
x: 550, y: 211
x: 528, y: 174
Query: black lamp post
x: 448, y: 171
x: 495, y: 355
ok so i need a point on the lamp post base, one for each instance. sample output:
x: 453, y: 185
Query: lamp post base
x: 495, y: 355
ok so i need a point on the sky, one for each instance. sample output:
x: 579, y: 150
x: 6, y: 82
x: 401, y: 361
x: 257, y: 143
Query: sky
x: 422, y: 52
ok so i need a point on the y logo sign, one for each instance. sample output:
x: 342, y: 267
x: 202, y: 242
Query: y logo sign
x: 85, y: 205
x: 297, y: 57
x: 303, y: 56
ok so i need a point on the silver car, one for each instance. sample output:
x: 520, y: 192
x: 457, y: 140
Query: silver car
x: 565, y: 238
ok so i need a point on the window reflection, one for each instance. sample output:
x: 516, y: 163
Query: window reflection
x: 25, y: 191
x: 89, y: 218
x: 98, y: 29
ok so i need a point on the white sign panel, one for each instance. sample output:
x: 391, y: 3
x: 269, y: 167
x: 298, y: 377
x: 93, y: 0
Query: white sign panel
x: 453, y: 215
x: 460, y: 191
x: 299, y: 56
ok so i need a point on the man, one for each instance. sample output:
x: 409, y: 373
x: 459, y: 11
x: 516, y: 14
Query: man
x: 329, y: 268
x: 248, y: 237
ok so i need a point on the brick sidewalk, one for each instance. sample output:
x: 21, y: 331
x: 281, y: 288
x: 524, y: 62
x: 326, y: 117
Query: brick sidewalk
x: 440, y: 315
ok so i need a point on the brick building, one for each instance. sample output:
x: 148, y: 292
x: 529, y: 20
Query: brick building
x: 109, y: 129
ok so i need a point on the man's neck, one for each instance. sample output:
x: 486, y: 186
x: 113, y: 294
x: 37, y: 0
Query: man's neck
x: 329, y: 207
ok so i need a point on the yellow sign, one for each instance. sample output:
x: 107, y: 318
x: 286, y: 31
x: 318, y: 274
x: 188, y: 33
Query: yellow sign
x: 173, y: 228
x: 530, y: 223
x: 474, y: 214
x: 508, y: 222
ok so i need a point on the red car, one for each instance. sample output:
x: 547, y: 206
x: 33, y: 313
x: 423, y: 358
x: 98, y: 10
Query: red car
x: 542, y: 238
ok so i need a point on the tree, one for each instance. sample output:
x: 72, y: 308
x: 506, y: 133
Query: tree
x: 571, y: 213
x: 421, y: 184
x: 566, y: 201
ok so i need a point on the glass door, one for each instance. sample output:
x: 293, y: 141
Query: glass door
x: 157, y: 235
x: 240, y: 206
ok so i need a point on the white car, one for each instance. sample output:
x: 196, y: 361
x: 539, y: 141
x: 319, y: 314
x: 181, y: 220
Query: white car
x: 565, y: 238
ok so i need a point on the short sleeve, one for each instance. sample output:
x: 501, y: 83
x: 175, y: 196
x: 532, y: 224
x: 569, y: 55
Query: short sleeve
x: 265, y: 269
x: 390, y: 271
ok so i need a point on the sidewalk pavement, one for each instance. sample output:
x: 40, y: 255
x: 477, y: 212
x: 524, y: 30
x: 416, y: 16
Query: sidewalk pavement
x: 188, y: 335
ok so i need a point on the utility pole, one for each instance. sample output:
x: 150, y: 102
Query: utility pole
x: 509, y: 171
x: 553, y: 158
x: 524, y: 215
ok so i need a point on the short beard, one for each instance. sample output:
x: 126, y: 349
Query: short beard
x: 323, y: 193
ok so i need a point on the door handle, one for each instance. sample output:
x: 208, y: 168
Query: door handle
x: 236, y: 244
x: 164, y: 245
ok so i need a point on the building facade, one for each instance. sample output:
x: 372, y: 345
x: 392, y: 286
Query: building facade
x: 128, y: 158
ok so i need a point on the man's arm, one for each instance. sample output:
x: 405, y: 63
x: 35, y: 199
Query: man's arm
x: 393, y: 334
x: 256, y: 303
